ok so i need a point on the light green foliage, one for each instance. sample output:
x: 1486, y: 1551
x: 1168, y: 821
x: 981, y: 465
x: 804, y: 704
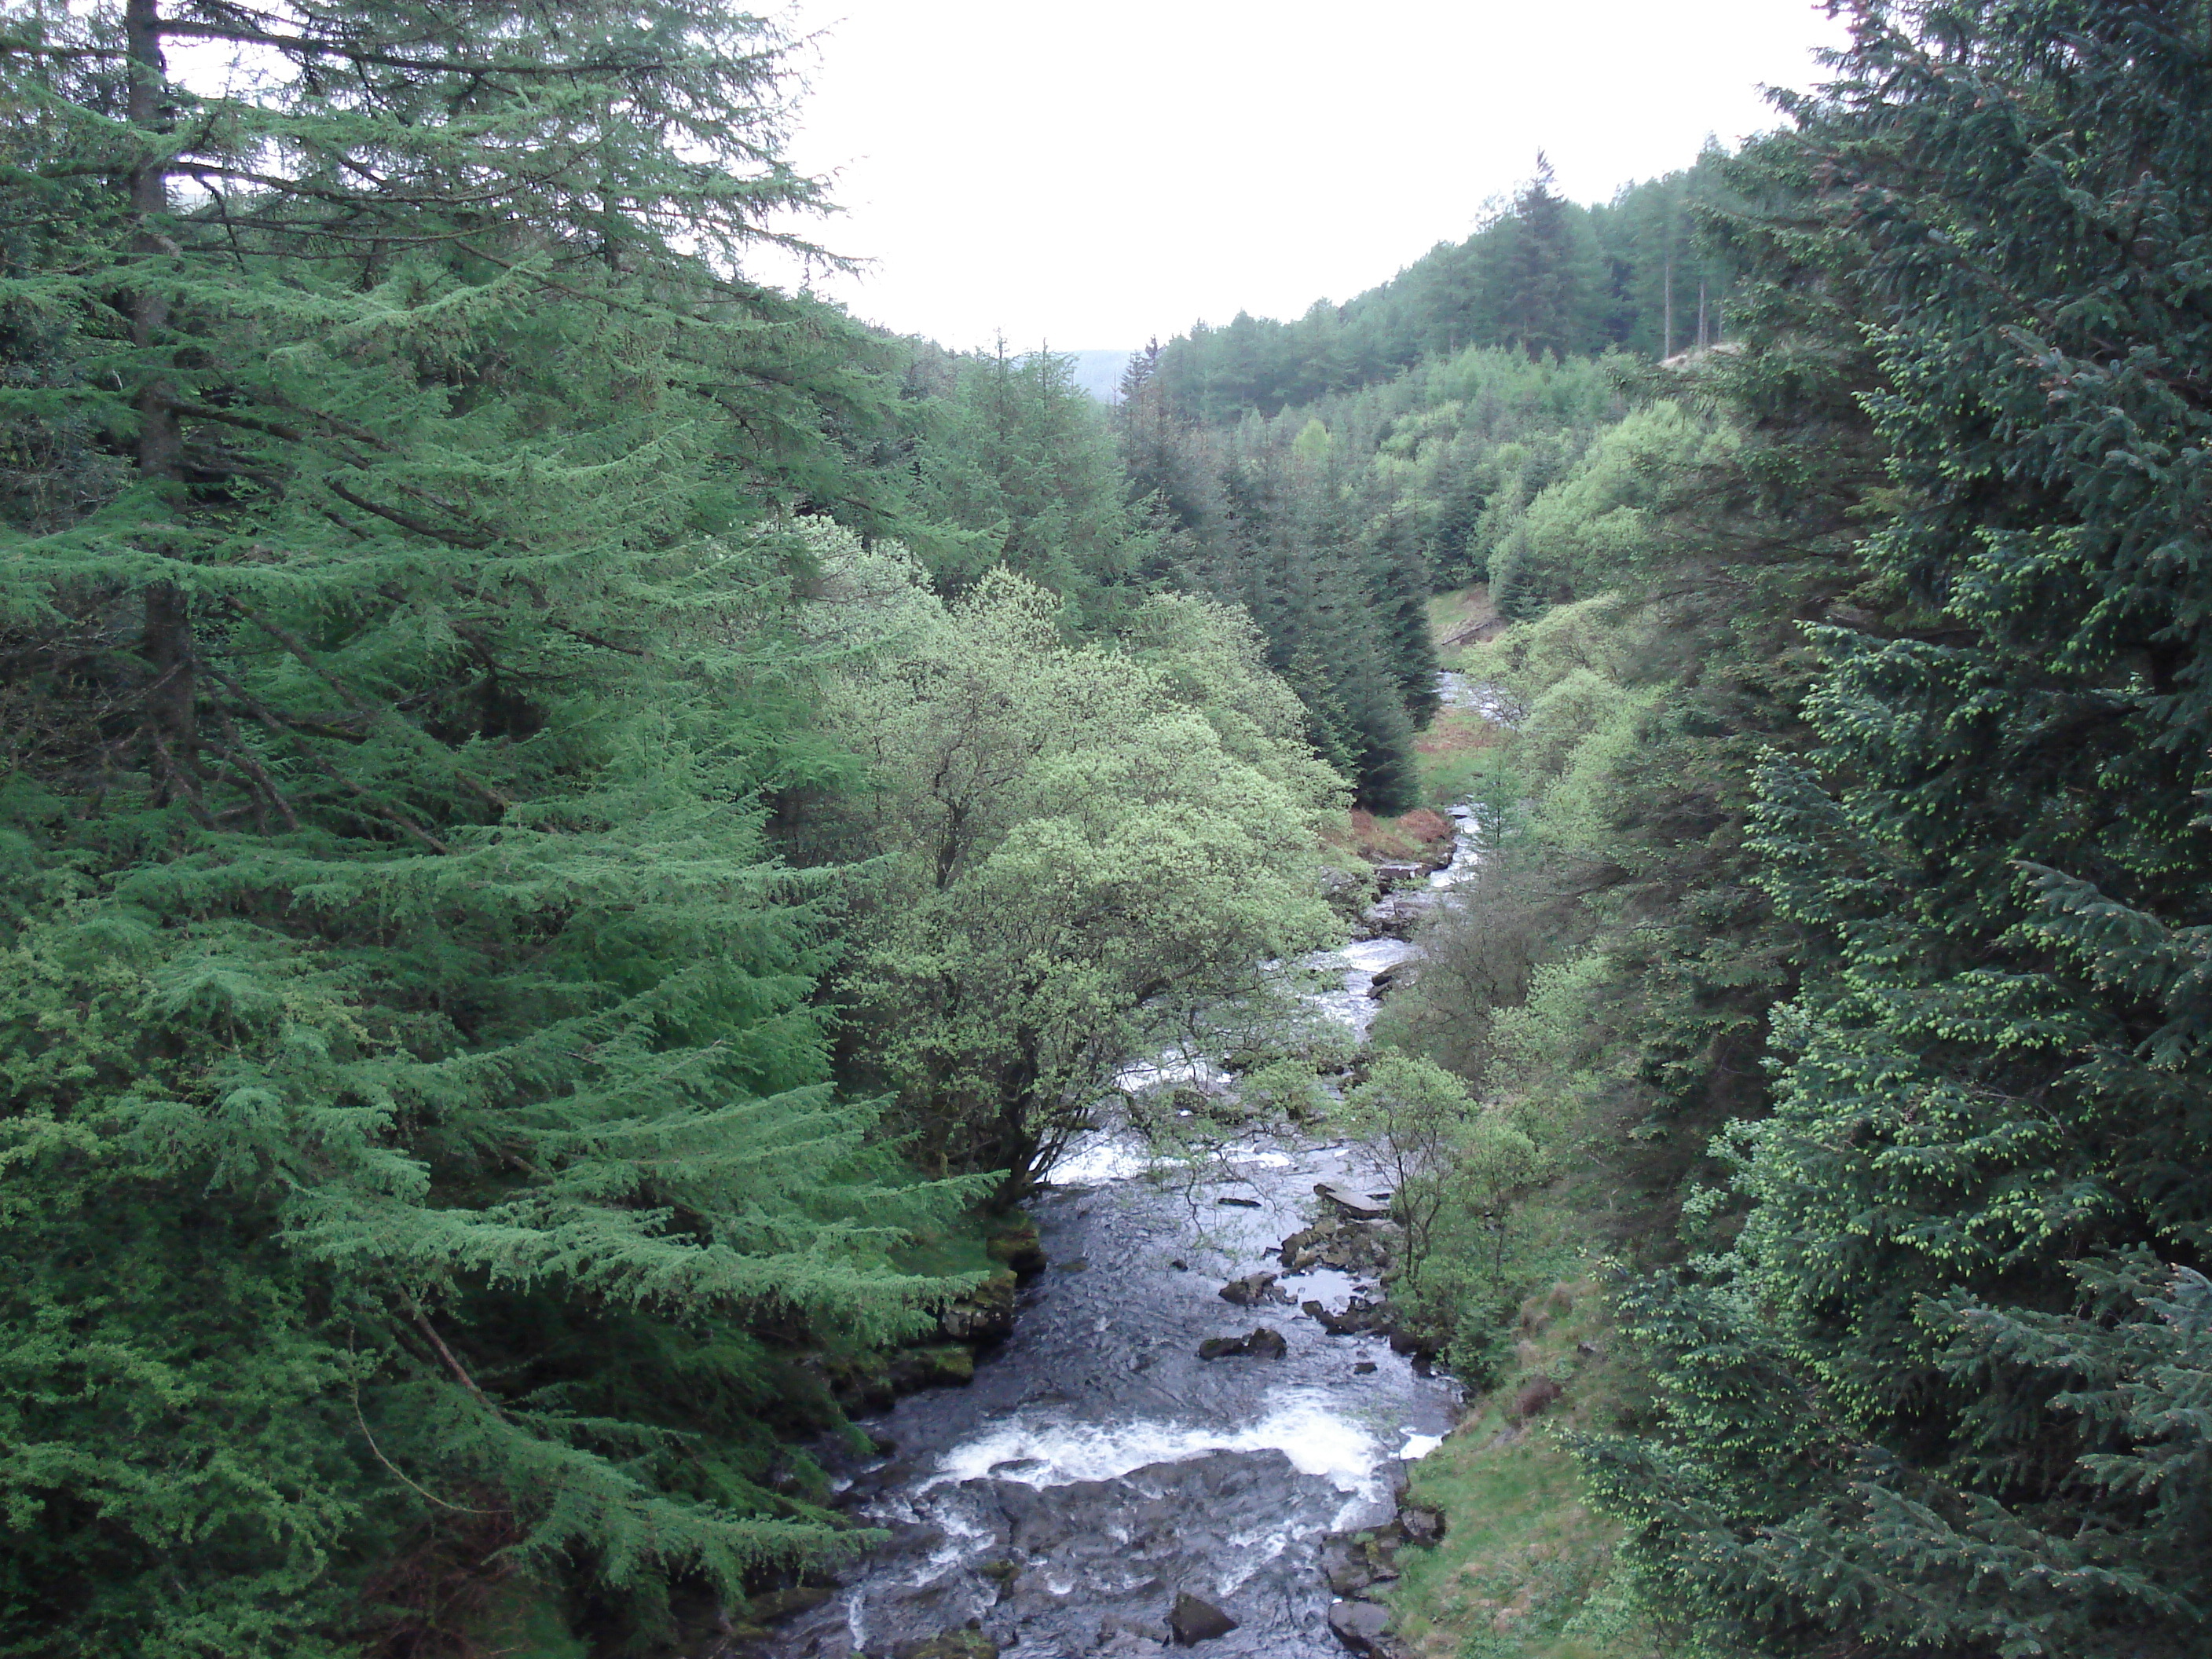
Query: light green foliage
x: 1288, y: 1087
x: 1594, y: 528
x: 1456, y: 1168
x: 1313, y: 445
x: 1081, y: 844
x: 1560, y: 1046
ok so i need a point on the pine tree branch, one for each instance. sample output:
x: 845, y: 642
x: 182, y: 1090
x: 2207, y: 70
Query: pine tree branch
x: 369, y: 713
x: 187, y: 788
x: 308, y: 47
x: 408, y: 521
x: 377, y: 1452
x: 459, y: 1371
x: 241, y: 757
x: 276, y: 725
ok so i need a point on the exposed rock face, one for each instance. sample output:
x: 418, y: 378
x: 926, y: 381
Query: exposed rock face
x: 1194, y: 1619
x: 1264, y: 1343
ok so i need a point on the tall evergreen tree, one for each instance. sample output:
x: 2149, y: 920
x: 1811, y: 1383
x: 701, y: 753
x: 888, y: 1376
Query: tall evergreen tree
x: 1021, y: 472
x: 1948, y: 1393
x: 403, y: 1012
x: 1538, y: 280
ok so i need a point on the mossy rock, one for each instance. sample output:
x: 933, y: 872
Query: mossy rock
x: 945, y: 1364
x: 986, y: 1314
x: 953, y: 1644
x: 1016, y: 1246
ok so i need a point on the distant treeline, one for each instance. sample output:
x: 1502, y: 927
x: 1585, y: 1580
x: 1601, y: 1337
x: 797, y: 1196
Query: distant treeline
x: 1539, y: 274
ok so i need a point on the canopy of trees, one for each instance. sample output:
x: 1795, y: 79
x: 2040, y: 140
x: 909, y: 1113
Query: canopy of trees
x: 571, y: 817
x: 439, y: 1173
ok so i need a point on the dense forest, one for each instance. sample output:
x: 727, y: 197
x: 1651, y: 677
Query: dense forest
x: 580, y: 831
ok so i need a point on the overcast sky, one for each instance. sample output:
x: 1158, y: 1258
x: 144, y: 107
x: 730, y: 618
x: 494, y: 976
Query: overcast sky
x: 1088, y: 175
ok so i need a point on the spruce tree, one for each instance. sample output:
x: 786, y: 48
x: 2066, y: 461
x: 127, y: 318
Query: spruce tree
x: 1947, y: 1394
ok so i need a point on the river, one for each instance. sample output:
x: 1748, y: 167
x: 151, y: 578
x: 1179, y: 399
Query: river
x: 1097, y: 1468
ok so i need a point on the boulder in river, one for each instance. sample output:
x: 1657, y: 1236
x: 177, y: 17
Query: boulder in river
x: 1360, y: 1207
x: 1264, y: 1343
x: 1355, y: 1563
x: 1194, y: 1619
x: 1359, y: 1315
x: 985, y: 1315
x: 1251, y: 1289
x: 1362, y: 1627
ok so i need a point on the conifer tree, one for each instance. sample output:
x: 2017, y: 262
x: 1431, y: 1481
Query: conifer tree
x: 1946, y: 1393
x: 403, y: 1011
x: 1536, y: 272
x: 1022, y: 470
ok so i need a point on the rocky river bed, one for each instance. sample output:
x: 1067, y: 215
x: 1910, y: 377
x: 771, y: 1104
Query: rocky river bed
x: 1104, y: 1487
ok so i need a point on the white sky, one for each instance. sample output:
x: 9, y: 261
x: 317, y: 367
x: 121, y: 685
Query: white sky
x: 1085, y: 176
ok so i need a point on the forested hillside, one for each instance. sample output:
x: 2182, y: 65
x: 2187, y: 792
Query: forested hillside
x: 1542, y: 274
x: 580, y: 831
x: 1841, y: 951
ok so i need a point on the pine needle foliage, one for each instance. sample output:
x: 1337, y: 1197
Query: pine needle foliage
x: 1945, y: 1395
x: 416, y: 1125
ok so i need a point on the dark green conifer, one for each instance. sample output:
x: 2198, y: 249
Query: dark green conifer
x: 1946, y: 1393
x: 403, y: 1011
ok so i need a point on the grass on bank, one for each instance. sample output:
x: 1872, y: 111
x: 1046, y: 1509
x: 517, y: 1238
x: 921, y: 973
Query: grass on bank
x: 1459, y: 753
x: 1526, y: 1569
x: 1456, y: 619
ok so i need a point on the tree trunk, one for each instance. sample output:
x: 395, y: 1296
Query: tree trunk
x: 160, y: 441
x: 167, y: 637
